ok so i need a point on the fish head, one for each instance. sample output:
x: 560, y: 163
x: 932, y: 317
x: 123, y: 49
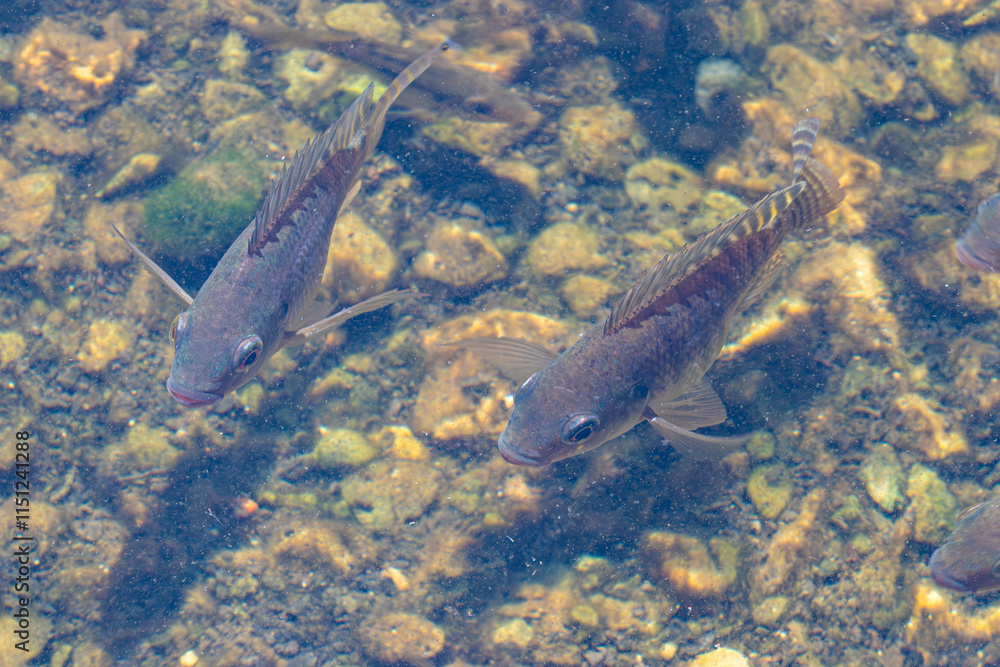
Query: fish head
x: 557, y: 415
x: 212, y: 357
x: 969, y: 559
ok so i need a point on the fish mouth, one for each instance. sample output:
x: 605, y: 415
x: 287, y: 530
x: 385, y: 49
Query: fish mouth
x: 517, y: 459
x: 190, y: 398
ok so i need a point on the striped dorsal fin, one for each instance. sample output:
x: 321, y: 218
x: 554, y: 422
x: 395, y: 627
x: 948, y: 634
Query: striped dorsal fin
x: 358, y: 128
x: 671, y: 270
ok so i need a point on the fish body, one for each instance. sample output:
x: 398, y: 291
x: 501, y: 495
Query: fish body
x: 969, y: 559
x: 646, y: 361
x: 979, y: 247
x: 255, y: 300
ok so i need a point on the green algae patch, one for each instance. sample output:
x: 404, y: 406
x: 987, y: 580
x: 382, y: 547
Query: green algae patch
x: 770, y: 489
x: 205, y: 207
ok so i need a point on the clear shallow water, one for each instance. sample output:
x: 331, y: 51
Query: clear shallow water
x: 387, y: 527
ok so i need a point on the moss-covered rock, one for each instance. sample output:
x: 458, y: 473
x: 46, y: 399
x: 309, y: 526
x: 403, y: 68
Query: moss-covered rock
x: 203, y: 209
x: 770, y: 489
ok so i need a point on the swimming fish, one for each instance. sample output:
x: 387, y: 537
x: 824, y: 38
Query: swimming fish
x: 979, y: 247
x: 646, y: 361
x: 969, y: 559
x: 257, y: 298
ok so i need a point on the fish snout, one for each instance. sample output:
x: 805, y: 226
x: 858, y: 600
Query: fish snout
x: 190, y: 398
x: 512, y: 455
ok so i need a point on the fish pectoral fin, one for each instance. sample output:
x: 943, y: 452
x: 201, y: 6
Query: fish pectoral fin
x: 349, y: 197
x: 368, y: 305
x: 697, y: 407
x: 153, y: 268
x: 695, y: 445
x: 515, y: 357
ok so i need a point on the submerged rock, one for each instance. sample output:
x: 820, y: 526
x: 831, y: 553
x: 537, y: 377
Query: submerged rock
x: 770, y: 489
x: 460, y: 255
x: 402, y: 638
x: 938, y: 67
x: 594, y: 139
x: 935, y: 507
x: 684, y: 562
x: 75, y: 69
x: 883, y: 477
x: 563, y: 247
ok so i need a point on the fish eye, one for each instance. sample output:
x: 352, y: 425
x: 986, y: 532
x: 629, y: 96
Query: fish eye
x: 247, y: 353
x: 525, y: 386
x: 178, y: 326
x: 579, y: 428
x: 640, y: 392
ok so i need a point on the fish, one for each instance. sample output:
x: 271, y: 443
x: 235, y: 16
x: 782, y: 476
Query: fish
x: 260, y: 295
x: 979, y: 247
x: 969, y: 559
x: 647, y: 360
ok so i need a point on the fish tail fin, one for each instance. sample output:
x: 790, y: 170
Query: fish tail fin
x: 822, y: 192
x: 803, y: 137
x: 409, y: 74
x: 821, y: 195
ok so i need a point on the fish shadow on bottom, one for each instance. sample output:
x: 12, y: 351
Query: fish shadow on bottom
x: 194, y: 519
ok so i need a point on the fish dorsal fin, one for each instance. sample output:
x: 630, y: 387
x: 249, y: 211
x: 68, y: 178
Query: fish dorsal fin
x: 670, y: 270
x: 290, y: 188
x: 516, y: 358
x: 697, y: 407
x: 358, y: 128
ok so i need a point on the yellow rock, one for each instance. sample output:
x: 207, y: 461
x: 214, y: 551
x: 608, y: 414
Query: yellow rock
x: 594, y: 139
x: 12, y: 347
x: 233, y: 55
x: 402, y: 638
x: 75, y: 68
x: 720, y: 657
x: 342, y: 447
x: 125, y: 215
x: 476, y: 137
x: 685, y: 564
x: 402, y: 444
x: 922, y: 12
x: 939, y: 621
x: 563, y: 247
x: 966, y: 162
x: 360, y: 263
x: 311, y: 76
x: 460, y: 255
x: 847, y: 278
x: 814, y: 88
x: 658, y: 183
x: 221, y: 99
x: 444, y: 409
x: 870, y: 76
x: 519, y: 171
x: 314, y: 541
x: 27, y: 203
x: 770, y: 610
x: 105, y: 342
x: 370, y: 20
x: 938, y: 68
x: 923, y: 429
x: 770, y: 489
x: 782, y: 551
x: 515, y: 631
x: 587, y: 295
x: 388, y: 494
